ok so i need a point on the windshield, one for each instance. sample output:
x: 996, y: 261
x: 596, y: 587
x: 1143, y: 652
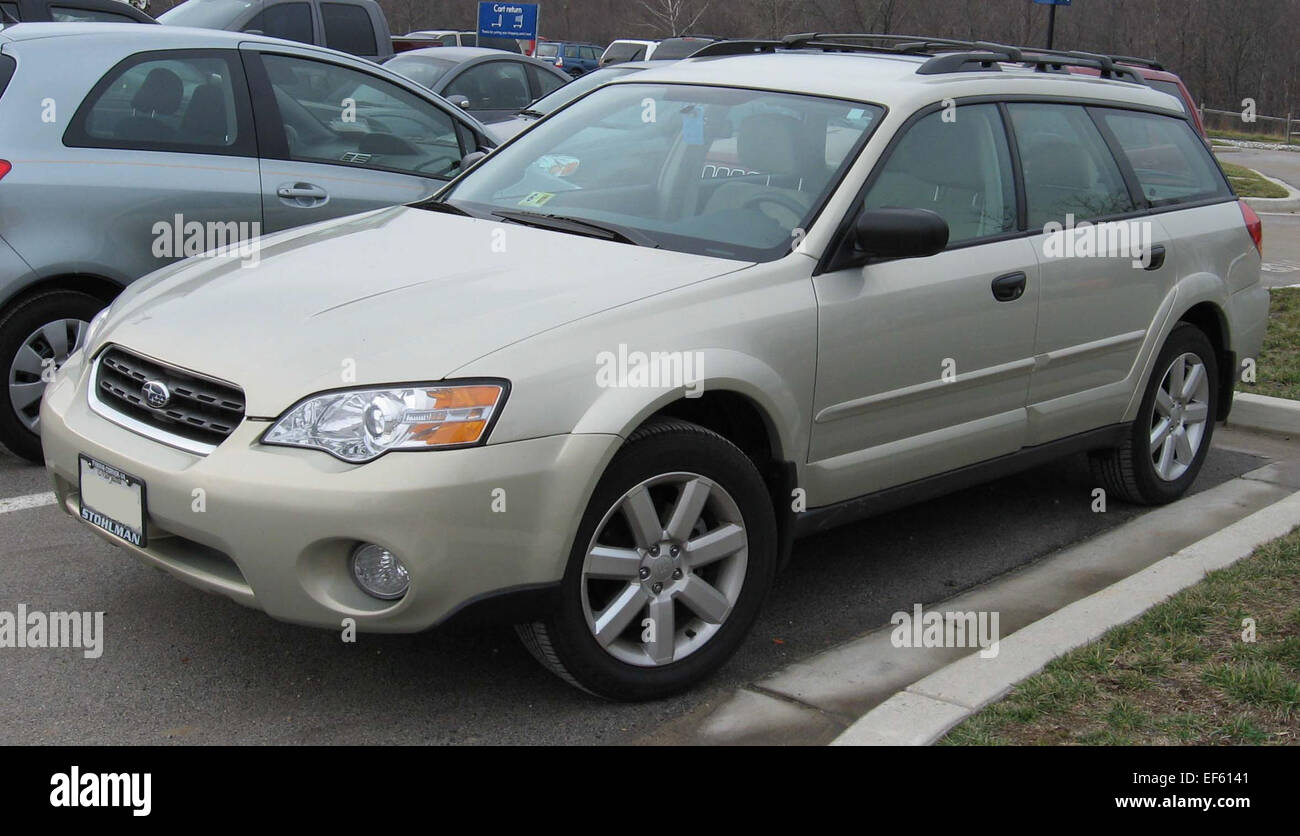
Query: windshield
x: 707, y: 170
x: 206, y: 14
x: 421, y: 70
x: 580, y: 86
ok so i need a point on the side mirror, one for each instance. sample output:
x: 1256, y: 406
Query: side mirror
x: 899, y: 233
x: 472, y: 159
x: 459, y: 101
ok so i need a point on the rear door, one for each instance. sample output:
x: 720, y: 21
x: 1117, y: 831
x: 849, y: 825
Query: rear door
x: 166, y: 155
x: 1097, y: 306
x: 348, y: 28
x: 337, y: 139
x: 290, y: 21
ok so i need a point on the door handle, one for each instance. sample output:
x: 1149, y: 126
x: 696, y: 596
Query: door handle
x: 1157, y: 258
x: 1010, y: 287
x: 302, y: 194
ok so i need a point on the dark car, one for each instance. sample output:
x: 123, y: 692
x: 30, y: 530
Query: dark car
x: 490, y: 84
x: 70, y: 11
x: 574, y: 58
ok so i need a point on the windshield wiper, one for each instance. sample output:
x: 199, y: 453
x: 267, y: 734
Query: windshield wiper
x: 528, y: 111
x: 580, y: 226
x: 447, y: 208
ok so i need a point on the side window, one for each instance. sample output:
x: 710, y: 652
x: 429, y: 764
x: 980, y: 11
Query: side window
x: 71, y: 14
x: 959, y: 168
x: 12, y: 10
x: 1170, y: 161
x: 591, y: 53
x: 291, y: 21
x: 338, y: 115
x: 348, y: 29
x: 449, y: 40
x: 1068, y: 167
x: 544, y: 83
x: 570, y: 51
x: 167, y: 101
x: 496, y: 85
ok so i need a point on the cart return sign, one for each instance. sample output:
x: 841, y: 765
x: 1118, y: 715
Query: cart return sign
x: 508, y: 20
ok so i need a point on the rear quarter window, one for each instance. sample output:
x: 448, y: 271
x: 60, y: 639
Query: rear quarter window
x: 7, y: 67
x: 1172, y: 164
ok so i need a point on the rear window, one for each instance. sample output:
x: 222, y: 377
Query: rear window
x: 348, y: 29
x: 1171, y: 88
x: 7, y: 66
x: 548, y: 50
x: 73, y: 14
x: 1171, y: 162
x: 625, y: 52
x: 676, y: 48
x: 423, y: 71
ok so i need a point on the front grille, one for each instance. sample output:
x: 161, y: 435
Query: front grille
x: 201, y: 408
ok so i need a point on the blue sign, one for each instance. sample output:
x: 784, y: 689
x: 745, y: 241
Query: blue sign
x: 508, y: 20
x: 1052, y: 2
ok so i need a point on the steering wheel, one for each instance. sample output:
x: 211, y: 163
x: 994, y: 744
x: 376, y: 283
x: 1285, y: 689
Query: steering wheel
x: 777, y: 199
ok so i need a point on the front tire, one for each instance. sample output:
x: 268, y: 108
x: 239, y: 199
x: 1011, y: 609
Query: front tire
x: 671, y: 562
x: 36, y: 337
x: 1167, y: 444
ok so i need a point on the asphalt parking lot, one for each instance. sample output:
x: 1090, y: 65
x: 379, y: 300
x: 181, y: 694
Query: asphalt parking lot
x: 181, y: 666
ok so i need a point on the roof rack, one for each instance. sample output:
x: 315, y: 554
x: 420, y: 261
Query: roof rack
x: 947, y: 55
x: 1137, y: 62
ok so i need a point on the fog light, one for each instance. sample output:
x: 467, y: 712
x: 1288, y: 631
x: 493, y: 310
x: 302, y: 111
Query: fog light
x: 378, y: 572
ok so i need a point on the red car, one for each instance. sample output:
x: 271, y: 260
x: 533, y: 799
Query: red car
x: 1160, y: 79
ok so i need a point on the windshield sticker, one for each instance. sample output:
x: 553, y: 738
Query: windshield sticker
x: 558, y: 165
x: 537, y: 199
x: 693, y: 126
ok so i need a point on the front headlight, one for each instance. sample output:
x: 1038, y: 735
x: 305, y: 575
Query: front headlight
x: 360, y: 425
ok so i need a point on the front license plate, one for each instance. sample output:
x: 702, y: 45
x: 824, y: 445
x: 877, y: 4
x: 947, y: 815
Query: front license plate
x: 112, y: 500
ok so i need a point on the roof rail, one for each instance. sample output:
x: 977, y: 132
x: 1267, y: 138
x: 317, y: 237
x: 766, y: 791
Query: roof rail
x: 947, y: 55
x: 1137, y: 62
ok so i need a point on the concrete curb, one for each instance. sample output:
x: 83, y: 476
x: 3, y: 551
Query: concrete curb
x: 1260, y: 412
x: 925, y: 711
x: 1290, y: 203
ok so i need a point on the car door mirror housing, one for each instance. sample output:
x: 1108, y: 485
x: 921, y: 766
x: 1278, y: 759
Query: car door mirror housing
x: 899, y: 233
x: 472, y: 159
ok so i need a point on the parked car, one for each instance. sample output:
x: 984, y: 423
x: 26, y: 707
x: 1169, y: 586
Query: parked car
x: 157, y: 124
x: 574, y: 58
x: 674, y: 49
x: 357, y: 27
x: 487, y: 83
x: 70, y: 11
x: 1158, y: 78
x: 628, y: 50
x: 619, y: 389
x: 557, y: 99
x: 451, y: 37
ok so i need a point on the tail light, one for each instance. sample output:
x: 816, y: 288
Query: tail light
x: 5, y: 168
x: 559, y: 62
x: 1254, y: 226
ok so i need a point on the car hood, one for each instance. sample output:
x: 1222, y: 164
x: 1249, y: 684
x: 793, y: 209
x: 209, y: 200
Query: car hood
x: 506, y: 129
x: 398, y: 295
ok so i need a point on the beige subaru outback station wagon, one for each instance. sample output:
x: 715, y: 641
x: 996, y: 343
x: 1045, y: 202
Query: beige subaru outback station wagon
x: 602, y: 380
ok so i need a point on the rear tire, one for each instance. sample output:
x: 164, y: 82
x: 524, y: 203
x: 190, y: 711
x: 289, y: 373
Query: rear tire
x: 23, y: 330
x: 1166, y: 446
x: 696, y: 489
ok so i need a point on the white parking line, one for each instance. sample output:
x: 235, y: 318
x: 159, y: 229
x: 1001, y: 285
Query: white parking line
x: 19, y: 503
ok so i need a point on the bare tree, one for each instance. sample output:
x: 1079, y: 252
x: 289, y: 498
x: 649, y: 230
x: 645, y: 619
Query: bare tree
x: 674, y: 17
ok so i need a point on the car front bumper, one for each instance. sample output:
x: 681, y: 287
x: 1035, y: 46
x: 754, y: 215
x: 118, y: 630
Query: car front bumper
x: 273, y: 527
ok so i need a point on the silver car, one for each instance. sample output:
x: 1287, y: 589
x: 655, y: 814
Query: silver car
x: 159, y: 142
x: 700, y: 311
